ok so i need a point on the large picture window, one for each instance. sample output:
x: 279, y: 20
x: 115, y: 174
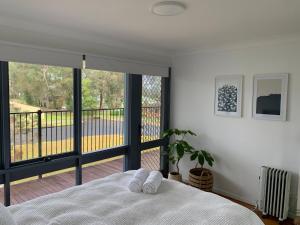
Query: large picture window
x: 63, y: 126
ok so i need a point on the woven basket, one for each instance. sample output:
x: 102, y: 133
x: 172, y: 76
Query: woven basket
x: 201, y: 178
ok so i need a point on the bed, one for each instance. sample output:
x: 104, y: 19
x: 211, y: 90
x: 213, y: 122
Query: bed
x: 108, y: 201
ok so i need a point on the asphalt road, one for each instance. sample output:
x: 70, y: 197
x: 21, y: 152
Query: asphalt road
x: 89, y: 128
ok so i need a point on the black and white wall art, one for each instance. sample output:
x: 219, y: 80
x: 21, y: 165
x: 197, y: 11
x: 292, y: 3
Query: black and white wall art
x: 228, y: 95
x: 270, y: 96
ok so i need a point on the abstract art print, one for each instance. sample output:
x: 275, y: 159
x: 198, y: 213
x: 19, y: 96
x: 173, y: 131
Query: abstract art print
x: 270, y: 96
x: 228, y: 95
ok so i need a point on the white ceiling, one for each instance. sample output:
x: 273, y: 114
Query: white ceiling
x: 98, y: 25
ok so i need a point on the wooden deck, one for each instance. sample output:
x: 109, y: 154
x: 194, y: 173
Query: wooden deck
x: 34, y: 188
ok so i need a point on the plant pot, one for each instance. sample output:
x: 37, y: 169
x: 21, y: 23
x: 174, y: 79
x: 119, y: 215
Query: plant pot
x: 175, y: 176
x: 201, y: 178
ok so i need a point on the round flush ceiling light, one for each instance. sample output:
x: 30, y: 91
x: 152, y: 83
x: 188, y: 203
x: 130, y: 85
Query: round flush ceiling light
x: 168, y: 8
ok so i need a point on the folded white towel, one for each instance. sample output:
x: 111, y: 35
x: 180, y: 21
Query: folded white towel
x: 153, y: 182
x: 136, y: 183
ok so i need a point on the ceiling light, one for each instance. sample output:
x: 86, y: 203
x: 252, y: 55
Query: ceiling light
x: 168, y: 8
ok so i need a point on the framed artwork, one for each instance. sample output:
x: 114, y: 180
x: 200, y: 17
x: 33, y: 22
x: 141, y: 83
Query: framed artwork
x: 270, y: 96
x: 228, y: 95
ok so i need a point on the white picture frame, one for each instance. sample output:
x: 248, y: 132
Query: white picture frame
x: 228, y: 95
x: 270, y: 94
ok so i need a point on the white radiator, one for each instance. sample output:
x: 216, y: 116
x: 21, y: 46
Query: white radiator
x: 274, y: 192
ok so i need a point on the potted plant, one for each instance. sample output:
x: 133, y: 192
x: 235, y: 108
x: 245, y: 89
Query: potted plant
x: 201, y: 177
x: 177, y: 148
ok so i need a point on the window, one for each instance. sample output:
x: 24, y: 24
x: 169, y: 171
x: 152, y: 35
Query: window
x: 41, y: 124
x: 151, y: 118
x: 55, y: 141
x: 102, y: 120
x: 103, y: 110
x: 41, y: 116
x: 151, y: 107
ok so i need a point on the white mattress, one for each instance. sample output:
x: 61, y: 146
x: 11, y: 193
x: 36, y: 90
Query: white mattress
x: 108, y: 201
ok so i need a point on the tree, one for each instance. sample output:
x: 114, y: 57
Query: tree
x: 51, y: 87
x: 108, y: 87
x: 88, y: 100
x: 41, y: 85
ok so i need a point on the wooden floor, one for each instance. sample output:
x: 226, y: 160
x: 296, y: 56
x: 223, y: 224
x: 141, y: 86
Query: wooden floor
x: 268, y: 220
x: 50, y: 184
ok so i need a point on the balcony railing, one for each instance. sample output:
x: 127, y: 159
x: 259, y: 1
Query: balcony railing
x: 45, y: 133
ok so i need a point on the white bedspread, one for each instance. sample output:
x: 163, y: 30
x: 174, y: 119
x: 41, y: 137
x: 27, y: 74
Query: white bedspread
x: 108, y: 201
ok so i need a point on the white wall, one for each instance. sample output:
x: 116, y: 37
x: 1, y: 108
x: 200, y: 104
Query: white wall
x: 298, y: 202
x: 240, y: 145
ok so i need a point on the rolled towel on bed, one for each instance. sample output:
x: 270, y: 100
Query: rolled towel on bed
x: 136, y: 183
x: 153, y: 182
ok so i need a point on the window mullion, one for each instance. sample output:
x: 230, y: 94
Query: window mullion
x: 77, y: 106
x: 133, y: 111
x: 5, y: 129
x: 165, y: 120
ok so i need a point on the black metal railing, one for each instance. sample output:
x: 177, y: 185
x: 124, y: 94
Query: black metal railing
x: 41, y: 133
x: 45, y: 133
x: 102, y: 129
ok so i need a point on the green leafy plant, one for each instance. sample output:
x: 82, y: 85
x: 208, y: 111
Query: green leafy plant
x: 201, y: 156
x: 178, y: 146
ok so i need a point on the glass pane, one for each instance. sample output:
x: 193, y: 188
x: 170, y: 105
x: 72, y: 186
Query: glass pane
x: 151, y: 108
x: 33, y: 187
x: 151, y: 159
x: 41, y: 117
x: 103, y: 168
x: 103, y: 110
